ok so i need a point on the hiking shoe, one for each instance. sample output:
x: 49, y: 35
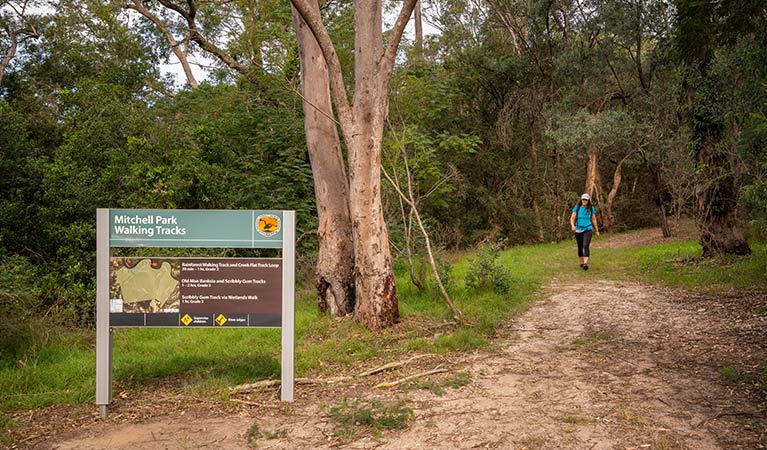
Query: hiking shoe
x: 585, y: 267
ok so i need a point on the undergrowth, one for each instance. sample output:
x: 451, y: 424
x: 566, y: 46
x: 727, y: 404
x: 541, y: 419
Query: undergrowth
x: 353, y: 417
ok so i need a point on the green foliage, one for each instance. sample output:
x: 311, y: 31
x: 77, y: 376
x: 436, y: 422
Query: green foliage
x: 731, y: 376
x: 19, y: 302
x: 254, y: 433
x: 728, y: 375
x: 454, y: 380
x: 349, y: 418
x: 445, y: 270
x: 486, y: 273
x: 754, y: 194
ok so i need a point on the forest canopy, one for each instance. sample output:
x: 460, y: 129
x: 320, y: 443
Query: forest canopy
x: 496, y: 123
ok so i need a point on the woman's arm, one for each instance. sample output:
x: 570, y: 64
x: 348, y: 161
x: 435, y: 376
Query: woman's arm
x: 572, y: 221
x: 594, y: 222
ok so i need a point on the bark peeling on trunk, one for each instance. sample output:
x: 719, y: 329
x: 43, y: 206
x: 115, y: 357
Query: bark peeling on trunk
x: 362, y: 124
x: 334, y: 274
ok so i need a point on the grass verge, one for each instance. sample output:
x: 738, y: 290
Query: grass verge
x: 208, y: 361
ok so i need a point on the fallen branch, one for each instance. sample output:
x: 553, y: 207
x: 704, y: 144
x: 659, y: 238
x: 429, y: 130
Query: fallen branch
x: 403, y: 380
x: 269, y: 383
x: 392, y: 365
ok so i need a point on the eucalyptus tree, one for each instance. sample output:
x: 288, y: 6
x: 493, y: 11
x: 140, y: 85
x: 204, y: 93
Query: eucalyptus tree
x: 252, y: 38
x: 362, y: 123
x: 18, y: 24
x: 717, y: 42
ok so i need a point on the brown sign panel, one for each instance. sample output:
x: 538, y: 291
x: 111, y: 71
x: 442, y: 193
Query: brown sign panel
x: 195, y: 291
x: 242, y: 285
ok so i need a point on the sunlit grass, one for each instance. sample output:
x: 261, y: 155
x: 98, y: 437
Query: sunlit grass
x: 208, y: 361
x: 679, y: 265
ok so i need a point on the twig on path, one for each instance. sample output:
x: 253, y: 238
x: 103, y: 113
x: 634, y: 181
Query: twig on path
x: 392, y: 365
x: 403, y: 380
x: 723, y: 414
x: 535, y: 329
x: 269, y: 383
x: 211, y: 442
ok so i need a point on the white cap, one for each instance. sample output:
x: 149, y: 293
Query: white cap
x: 585, y: 197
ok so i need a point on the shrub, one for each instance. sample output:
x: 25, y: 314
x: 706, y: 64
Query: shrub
x: 486, y: 273
x: 19, y: 304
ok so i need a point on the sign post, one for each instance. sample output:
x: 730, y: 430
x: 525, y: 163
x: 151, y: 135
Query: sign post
x: 103, y: 331
x: 193, y: 292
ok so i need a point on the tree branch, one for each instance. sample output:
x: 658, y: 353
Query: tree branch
x: 141, y: 8
x: 338, y: 88
x: 457, y: 315
x: 395, y: 37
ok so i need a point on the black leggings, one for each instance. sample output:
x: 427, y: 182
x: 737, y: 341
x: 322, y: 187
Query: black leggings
x: 583, y: 239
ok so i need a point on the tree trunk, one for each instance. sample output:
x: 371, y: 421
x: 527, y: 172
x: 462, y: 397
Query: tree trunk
x: 8, y: 56
x: 592, y: 171
x: 660, y: 195
x: 557, y: 198
x: 377, y: 302
x: 609, y: 217
x: 638, y: 37
x: 418, y: 30
x: 362, y: 124
x: 536, y: 183
x: 664, y: 220
x: 334, y: 276
x: 721, y: 231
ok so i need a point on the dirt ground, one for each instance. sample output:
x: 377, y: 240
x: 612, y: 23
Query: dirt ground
x: 595, y: 364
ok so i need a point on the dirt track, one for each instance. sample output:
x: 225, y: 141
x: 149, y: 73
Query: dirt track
x: 597, y: 365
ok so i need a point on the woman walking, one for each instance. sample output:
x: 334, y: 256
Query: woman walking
x: 583, y: 222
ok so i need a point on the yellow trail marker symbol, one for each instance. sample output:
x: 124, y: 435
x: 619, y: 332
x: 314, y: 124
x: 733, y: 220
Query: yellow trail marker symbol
x: 221, y: 320
x: 186, y: 320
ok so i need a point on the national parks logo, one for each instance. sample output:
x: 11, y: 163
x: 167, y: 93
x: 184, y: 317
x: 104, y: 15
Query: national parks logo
x: 267, y: 225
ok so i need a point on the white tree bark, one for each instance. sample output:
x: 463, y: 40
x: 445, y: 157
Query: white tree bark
x: 362, y: 123
x: 334, y: 274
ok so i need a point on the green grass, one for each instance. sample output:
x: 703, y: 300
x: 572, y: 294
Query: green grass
x: 350, y: 418
x: 455, y: 380
x: 207, y: 361
x: 680, y: 265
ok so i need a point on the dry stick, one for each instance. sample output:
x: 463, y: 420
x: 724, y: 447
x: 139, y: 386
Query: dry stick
x: 269, y: 383
x: 407, y: 222
x: 457, y: 315
x: 402, y: 380
x: 392, y: 365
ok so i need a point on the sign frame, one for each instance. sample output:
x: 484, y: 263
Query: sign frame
x: 203, y: 236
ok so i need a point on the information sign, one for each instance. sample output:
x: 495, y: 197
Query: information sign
x: 193, y: 292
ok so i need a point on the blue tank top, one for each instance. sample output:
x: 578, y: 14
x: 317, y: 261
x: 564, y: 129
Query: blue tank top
x: 583, y: 218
